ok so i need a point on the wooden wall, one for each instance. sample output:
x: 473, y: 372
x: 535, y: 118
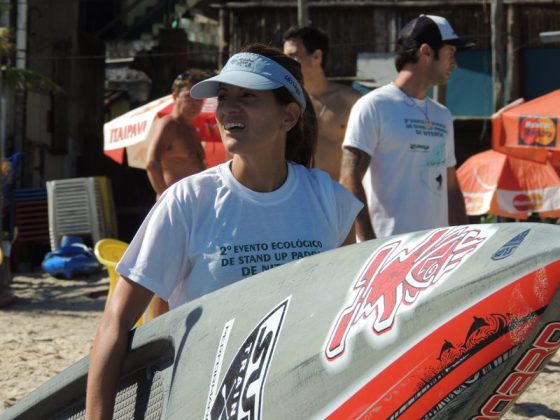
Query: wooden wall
x: 372, y: 26
x: 352, y: 27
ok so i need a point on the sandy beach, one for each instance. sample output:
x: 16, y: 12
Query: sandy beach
x: 50, y: 326
x: 52, y: 323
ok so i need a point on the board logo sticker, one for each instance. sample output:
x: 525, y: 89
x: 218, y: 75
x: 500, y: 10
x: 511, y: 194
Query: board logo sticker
x: 394, y: 278
x: 240, y: 393
x: 483, y: 331
x: 452, y: 396
x: 509, y: 247
x: 523, y: 374
x: 220, y: 353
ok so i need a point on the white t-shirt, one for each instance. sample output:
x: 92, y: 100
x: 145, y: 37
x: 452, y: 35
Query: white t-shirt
x: 208, y: 230
x: 406, y: 183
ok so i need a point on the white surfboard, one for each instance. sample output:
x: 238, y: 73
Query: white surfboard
x: 448, y: 323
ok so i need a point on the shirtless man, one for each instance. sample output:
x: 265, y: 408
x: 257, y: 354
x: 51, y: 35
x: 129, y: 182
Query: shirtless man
x: 332, y: 101
x: 174, y: 150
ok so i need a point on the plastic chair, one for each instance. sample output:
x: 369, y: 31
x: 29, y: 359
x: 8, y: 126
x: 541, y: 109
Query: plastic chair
x: 109, y: 252
x: 80, y: 206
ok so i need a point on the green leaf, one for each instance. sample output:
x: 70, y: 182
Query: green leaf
x: 22, y: 79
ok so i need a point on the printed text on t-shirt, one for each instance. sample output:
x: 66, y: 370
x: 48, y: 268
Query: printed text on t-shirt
x: 258, y: 257
x: 422, y: 128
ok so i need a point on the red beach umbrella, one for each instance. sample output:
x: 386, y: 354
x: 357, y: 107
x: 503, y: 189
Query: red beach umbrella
x: 529, y: 129
x: 495, y: 183
x: 128, y: 132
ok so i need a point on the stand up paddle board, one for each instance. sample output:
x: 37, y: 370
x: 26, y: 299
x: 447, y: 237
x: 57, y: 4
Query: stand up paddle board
x: 447, y: 323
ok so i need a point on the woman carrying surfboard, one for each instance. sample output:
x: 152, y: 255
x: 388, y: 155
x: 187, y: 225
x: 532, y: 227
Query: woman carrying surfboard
x: 263, y: 208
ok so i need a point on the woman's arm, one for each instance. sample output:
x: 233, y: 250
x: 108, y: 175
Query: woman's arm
x: 128, y: 302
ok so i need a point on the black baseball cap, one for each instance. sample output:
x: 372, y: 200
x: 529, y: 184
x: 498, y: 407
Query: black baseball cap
x: 432, y: 30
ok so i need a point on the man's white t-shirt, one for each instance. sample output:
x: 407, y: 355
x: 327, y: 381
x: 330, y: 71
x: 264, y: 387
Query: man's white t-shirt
x: 208, y: 230
x: 406, y: 183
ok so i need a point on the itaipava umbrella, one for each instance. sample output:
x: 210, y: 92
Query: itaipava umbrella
x: 128, y: 133
x: 495, y: 183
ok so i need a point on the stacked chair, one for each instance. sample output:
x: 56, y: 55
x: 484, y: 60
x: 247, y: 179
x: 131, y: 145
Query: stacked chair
x: 29, y: 222
x: 81, y: 207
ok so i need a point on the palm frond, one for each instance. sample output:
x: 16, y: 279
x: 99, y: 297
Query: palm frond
x: 5, y: 48
x: 5, y: 45
x: 21, y: 79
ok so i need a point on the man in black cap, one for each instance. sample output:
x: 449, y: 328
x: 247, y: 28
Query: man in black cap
x: 399, y: 156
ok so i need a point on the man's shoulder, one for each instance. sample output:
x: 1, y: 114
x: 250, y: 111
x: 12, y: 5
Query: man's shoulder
x: 168, y: 122
x: 389, y: 91
x: 381, y: 95
x: 164, y: 125
x: 170, y: 126
x: 344, y: 92
x: 338, y: 98
x: 439, y: 106
x: 343, y: 89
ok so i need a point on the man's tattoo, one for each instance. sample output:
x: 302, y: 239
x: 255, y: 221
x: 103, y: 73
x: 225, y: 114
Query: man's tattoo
x: 355, y: 158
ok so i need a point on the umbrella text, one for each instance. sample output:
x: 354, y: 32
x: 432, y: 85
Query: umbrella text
x: 130, y: 130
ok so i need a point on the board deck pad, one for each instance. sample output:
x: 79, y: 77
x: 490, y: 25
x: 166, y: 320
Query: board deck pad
x: 448, y: 323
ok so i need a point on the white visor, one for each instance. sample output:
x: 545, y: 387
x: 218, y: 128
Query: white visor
x: 251, y: 71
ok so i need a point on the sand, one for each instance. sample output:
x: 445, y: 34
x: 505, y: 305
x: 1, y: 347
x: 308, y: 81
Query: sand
x: 50, y: 326
x: 52, y: 323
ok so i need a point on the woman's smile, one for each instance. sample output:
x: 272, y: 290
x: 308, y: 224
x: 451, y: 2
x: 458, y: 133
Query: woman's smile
x: 249, y: 120
x: 234, y: 126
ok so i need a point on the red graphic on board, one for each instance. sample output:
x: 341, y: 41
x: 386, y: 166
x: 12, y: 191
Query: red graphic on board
x: 396, y: 276
x: 482, y: 331
x: 434, y: 373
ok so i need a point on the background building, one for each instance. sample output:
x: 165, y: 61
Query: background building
x: 109, y: 56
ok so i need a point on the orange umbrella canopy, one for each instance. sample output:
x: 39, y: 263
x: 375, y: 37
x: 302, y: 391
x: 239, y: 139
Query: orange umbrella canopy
x: 495, y: 183
x: 529, y: 129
